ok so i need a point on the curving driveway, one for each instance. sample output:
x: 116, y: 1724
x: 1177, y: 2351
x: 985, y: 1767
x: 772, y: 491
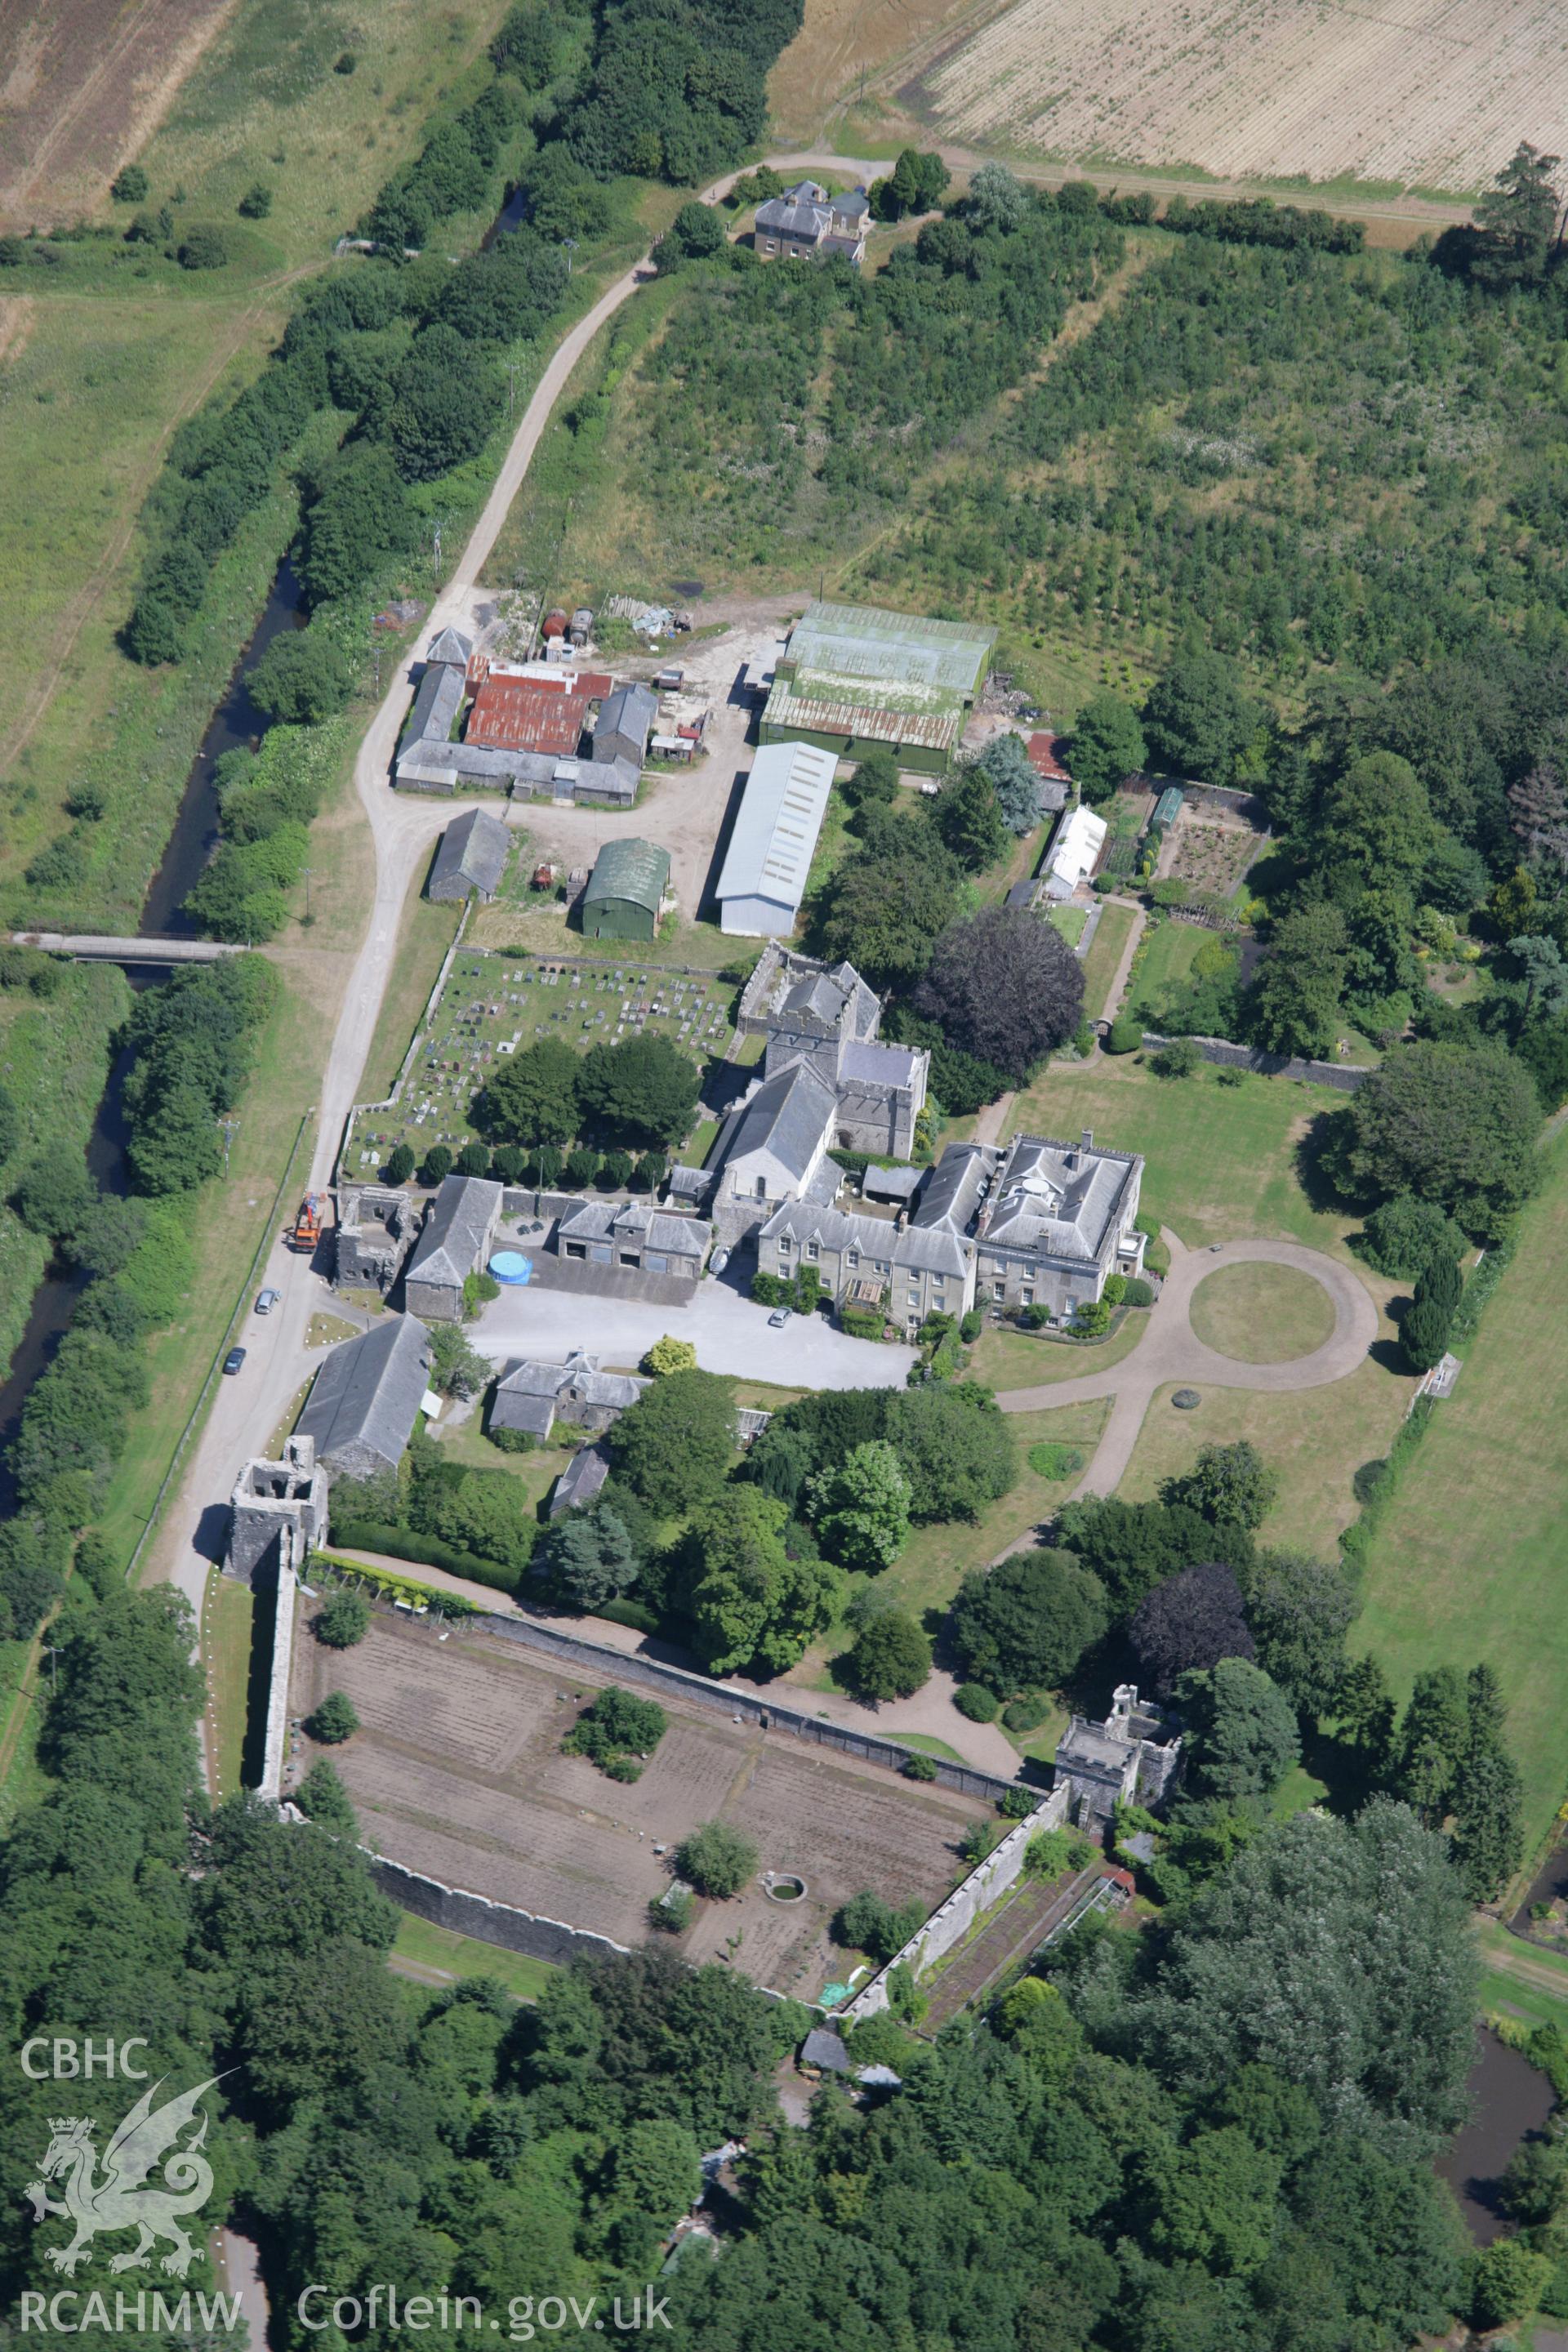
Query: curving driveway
x: 1172, y: 1351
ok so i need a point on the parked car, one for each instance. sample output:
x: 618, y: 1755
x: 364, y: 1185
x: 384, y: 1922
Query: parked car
x: 776, y: 1320
x: 233, y: 1360
x: 265, y: 1300
x: 720, y: 1261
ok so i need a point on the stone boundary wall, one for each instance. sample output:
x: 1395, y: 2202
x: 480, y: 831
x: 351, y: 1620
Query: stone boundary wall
x: 276, y: 1749
x: 1346, y: 1075
x: 622, y: 1666
x: 953, y: 1919
x: 431, y: 1002
x: 489, y: 1923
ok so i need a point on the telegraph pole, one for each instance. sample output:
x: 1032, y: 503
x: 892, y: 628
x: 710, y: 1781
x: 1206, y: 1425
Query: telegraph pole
x: 307, y: 871
x: 229, y: 1126
x: 570, y: 245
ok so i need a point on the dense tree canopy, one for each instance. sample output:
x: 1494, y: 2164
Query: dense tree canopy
x: 1026, y: 1623
x: 1454, y: 1124
x: 1005, y: 987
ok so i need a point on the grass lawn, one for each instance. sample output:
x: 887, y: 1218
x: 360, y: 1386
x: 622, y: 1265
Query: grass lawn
x: 537, y: 926
x: 1519, y: 1980
x: 1070, y: 921
x: 427, y: 932
x: 439, y: 1955
x: 926, y: 1575
x: 1105, y: 953
x: 1315, y: 1439
x: 1168, y: 957
x: 467, y: 1443
x: 227, y: 1622
x: 1221, y: 1159
x: 1468, y: 1560
x: 1027, y: 1359
x: 1262, y: 1314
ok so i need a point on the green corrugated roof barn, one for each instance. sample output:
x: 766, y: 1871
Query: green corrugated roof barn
x: 625, y: 890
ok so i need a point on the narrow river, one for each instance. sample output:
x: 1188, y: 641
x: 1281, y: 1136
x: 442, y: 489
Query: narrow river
x: 235, y: 721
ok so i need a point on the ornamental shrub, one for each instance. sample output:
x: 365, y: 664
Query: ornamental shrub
x: 973, y: 1700
x: 1126, y: 1036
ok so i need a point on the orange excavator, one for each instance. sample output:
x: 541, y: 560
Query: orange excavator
x: 307, y: 1230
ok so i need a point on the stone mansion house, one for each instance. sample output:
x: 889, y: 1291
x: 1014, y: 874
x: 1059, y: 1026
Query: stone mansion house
x: 1036, y: 1223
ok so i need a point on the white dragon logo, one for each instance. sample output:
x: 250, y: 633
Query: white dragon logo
x: 118, y: 2200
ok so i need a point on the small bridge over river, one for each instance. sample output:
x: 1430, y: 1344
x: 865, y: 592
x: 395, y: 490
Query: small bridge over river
x: 96, y: 947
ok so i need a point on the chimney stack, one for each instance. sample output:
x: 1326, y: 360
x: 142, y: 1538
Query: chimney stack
x: 1087, y: 1139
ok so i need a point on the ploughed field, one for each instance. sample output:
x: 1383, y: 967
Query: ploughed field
x: 1427, y: 93
x: 457, y: 1772
x: 82, y: 82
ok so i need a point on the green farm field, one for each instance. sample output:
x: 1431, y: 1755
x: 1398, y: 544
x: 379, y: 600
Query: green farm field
x: 1468, y: 1561
x: 106, y: 350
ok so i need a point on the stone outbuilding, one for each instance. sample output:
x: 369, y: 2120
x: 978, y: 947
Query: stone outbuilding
x: 361, y: 1412
x: 470, y: 858
x: 625, y: 722
x: 532, y: 1397
x: 580, y: 1480
x: 458, y: 1238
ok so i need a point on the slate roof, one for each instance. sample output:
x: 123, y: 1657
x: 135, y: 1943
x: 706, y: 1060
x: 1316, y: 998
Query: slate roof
x: 439, y: 762
x: 613, y: 1391
x: 630, y: 712
x: 1057, y: 1198
x: 780, y: 817
x: 931, y: 1249
x: 828, y: 992
x: 368, y: 1392
x: 451, y: 645
x: 788, y: 1116
x: 879, y: 1065
x: 472, y: 856
x: 457, y: 1231
x: 893, y: 1183
x: 633, y: 869
x: 952, y: 1190
x: 581, y: 1480
x: 825, y: 2048
x: 632, y: 1220
x: 435, y: 704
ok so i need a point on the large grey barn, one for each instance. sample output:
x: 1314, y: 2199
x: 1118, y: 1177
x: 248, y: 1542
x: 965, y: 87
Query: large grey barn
x: 361, y: 1409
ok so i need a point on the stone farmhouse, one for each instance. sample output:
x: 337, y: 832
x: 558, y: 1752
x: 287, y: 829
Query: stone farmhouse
x: 532, y: 1397
x: 828, y: 1085
x: 805, y: 224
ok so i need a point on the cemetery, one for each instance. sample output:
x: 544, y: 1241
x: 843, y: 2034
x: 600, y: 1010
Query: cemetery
x: 497, y: 1003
